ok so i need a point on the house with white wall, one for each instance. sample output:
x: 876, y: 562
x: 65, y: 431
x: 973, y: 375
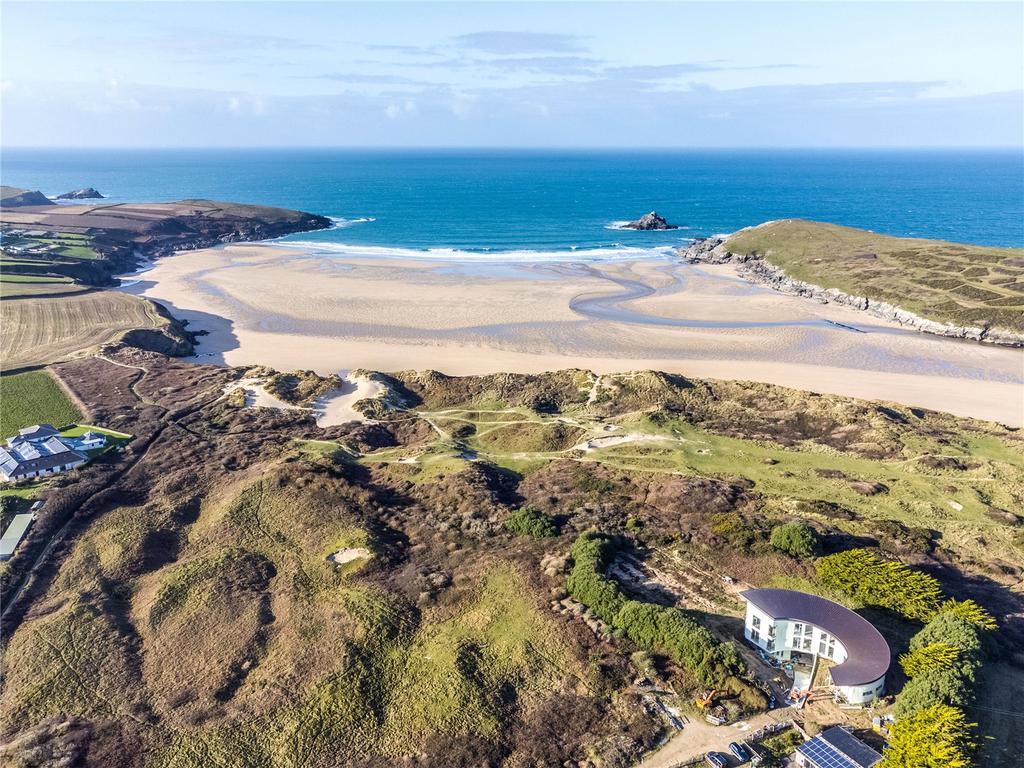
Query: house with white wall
x: 38, y: 451
x: 797, y: 626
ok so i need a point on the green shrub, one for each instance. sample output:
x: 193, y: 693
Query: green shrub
x: 970, y: 611
x: 795, y: 539
x: 531, y: 522
x: 883, y: 583
x: 936, y: 737
x: 929, y: 657
x: 934, y: 686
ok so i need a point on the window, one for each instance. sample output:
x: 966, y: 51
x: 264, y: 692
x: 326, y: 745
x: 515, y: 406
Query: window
x: 755, y: 635
x: 771, y: 644
x: 771, y: 630
x: 823, y: 644
x: 798, y: 628
x: 756, y: 621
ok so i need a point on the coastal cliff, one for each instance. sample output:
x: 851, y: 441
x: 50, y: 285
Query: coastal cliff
x: 756, y: 267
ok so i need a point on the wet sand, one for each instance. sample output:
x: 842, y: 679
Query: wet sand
x: 289, y: 309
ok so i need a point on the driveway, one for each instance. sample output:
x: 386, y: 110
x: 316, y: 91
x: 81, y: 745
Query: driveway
x: 698, y: 737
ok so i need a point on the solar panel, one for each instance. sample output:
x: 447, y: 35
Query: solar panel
x: 825, y: 756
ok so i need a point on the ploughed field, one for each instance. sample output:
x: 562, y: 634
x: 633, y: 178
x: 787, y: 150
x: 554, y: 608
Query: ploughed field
x: 239, y: 587
x: 966, y: 285
x: 43, y: 330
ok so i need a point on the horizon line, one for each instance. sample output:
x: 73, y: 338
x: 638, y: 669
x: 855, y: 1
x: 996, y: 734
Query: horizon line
x: 521, y: 148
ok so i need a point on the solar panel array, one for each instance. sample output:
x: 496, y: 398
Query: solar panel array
x: 825, y: 756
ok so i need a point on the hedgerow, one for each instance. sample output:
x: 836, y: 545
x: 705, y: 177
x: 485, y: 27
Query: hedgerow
x: 650, y: 626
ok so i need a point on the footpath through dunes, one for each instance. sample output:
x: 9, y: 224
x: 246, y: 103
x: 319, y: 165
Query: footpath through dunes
x: 294, y: 308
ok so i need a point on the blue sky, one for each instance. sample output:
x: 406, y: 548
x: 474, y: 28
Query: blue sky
x: 526, y: 74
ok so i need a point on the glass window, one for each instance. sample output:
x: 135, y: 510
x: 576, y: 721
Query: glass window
x: 755, y: 635
x: 757, y: 621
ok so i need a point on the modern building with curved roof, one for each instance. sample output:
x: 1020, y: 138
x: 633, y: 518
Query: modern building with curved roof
x: 794, y: 625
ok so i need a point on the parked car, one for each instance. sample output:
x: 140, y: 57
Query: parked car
x: 772, y: 702
x: 716, y: 760
x: 741, y: 751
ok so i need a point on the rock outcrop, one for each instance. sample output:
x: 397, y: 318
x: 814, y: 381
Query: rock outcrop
x: 755, y: 268
x: 650, y: 221
x: 87, y: 193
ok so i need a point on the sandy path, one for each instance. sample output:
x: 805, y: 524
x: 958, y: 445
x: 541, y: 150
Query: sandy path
x: 293, y: 309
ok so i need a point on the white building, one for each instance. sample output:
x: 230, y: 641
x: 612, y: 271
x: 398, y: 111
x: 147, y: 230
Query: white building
x: 800, y: 627
x: 37, y: 451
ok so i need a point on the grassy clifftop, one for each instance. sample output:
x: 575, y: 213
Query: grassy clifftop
x: 941, y: 281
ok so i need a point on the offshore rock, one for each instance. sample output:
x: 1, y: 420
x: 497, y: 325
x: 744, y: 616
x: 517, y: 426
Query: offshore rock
x: 650, y: 221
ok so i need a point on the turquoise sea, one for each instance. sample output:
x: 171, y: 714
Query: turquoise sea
x: 565, y: 203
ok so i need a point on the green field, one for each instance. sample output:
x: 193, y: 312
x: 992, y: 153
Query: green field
x: 941, y: 281
x: 33, y: 397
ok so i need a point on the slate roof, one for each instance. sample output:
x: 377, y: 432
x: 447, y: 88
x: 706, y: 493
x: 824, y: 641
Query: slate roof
x: 38, y: 431
x: 23, y: 455
x: 836, y: 747
x: 867, y: 653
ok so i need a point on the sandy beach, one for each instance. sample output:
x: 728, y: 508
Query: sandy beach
x: 295, y: 308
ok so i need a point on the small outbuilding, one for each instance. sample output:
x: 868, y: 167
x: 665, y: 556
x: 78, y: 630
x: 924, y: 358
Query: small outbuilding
x: 14, y: 534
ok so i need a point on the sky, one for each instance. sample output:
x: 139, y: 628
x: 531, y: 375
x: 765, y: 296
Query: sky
x: 578, y: 74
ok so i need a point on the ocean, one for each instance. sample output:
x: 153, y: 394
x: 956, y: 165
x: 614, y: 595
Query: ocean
x: 556, y: 203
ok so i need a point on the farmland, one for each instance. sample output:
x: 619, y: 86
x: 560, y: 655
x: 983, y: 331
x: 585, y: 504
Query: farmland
x: 38, y: 331
x: 944, y: 282
x: 33, y: 397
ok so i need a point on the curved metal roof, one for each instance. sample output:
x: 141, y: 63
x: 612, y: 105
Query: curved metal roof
x: 867, y: 653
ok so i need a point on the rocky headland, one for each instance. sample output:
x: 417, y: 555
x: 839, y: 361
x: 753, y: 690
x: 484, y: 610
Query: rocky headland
x: 755, y: 268
x: 650, y: 221
x: 16, y: 197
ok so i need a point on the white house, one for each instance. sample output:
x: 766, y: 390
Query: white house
x: 37, y: 451
x: 797, y: 626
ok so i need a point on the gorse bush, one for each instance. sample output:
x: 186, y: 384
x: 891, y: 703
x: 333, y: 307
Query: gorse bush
x: 650, y: 626
x: 531, y: 522
x: 795, y: 539
x: 883, y: 583
x: 938, y: 736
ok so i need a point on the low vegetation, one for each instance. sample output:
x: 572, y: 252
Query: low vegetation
x: 945, y: 282
x: 33, y: 397
x: 528, y: 521
x: 301, y: 387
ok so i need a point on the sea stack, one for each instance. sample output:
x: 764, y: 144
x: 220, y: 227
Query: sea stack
x: 650, y: 221
x: 88, y: 193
